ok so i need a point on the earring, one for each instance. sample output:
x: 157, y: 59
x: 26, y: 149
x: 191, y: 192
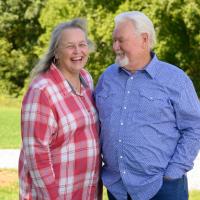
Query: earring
x: 54, y: 60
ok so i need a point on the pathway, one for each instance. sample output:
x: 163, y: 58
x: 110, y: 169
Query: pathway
x: 9, y: 159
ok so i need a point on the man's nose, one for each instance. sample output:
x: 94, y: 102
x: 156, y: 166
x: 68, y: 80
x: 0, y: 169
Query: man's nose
x: 116, y: 45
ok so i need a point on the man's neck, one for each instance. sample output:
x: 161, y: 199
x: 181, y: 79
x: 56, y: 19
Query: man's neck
x: 140, y: 65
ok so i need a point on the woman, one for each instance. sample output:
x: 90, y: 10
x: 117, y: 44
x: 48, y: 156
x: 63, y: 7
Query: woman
x: 60, y: 156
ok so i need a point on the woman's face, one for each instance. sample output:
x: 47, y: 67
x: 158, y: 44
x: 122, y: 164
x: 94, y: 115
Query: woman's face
x: 72, y: 52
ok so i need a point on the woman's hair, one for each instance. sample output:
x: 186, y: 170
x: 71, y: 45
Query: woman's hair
x: 141, y: 22
x: 45, y: 63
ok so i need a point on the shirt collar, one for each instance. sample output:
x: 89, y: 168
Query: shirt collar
x: 83, y: 83
x: 150, y: 68
x: 61, y: 81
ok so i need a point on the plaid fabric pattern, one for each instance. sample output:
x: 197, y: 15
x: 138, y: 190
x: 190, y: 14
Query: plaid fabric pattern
x: 60, y: 156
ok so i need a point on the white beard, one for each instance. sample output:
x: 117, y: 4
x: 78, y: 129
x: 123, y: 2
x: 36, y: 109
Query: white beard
x: 122, y: 61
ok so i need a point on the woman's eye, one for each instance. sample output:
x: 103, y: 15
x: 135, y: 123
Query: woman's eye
x: 69, y: 46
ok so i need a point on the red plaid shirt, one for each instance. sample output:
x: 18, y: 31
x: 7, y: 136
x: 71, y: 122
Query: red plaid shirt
x: 60, y: 156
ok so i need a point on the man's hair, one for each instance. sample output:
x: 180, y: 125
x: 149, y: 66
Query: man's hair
x: 141, y: 23
x: 45, y: 63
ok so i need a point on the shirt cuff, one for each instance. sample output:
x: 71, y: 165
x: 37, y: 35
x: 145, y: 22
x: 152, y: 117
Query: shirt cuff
x: 174, y: 171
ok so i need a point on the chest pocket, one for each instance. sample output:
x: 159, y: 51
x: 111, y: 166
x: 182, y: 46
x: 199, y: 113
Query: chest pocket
x: 105, y: 101
x: 152, y: 105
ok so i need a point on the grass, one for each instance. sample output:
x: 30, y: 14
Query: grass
x: 9, y: 186
x: 194, y: 195
x: 9, y: 127
x: 9, y: 192
x: 8, y: 101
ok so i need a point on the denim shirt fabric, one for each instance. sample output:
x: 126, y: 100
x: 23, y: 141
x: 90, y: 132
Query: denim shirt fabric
x: 150, y: 127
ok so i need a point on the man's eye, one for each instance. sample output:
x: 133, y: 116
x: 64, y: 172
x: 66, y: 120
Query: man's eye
x: 118, y: 40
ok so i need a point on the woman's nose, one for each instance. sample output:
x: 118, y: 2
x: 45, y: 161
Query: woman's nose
x: 76, y: 48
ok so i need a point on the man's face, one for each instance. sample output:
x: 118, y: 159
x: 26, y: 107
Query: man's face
x: 128, y: 45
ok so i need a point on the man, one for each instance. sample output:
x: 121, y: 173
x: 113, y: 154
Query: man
x: 150, y: 118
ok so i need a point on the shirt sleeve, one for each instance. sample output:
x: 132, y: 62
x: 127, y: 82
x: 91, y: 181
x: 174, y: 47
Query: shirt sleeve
x: 38, y: 125
x: 187, y: 111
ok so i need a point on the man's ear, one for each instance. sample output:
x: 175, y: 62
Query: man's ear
x: 145, y: 39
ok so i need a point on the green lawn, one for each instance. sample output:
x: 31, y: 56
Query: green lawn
x: 9, y: 192
x: 9, y: 127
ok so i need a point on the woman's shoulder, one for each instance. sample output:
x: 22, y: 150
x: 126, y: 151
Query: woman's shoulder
x: 40, y: 82
x: 40, y: 88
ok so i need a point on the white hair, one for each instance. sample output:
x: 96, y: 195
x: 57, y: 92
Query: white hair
x: 141, y: 22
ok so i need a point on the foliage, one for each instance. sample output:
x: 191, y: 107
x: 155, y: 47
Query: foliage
x: 26, y: 26
x: 19, y: 30
x: 178, y: 30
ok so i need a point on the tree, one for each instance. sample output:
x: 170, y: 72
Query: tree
x: 178, y: 33
x: 19, y: 30
x: 26, y: 26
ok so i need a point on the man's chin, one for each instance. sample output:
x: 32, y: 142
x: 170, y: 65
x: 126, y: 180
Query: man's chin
x: 121, y: 62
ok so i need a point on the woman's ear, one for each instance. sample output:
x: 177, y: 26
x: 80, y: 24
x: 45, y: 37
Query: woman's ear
x: 55, y: 54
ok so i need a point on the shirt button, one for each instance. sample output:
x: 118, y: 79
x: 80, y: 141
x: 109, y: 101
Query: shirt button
x: 122, y: 123
x: 120, y: 140
x: 121, y: 156
x: 128, y: 92
x: 124, y: 172
x: 131, y: 78
x: 151, y: 98
x: 124, y: 107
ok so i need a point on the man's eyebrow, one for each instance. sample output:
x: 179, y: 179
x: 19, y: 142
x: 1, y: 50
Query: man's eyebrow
x: 118, y: 38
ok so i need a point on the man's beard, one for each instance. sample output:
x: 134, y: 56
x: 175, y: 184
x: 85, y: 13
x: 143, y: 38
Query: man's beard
x: 122, y: 61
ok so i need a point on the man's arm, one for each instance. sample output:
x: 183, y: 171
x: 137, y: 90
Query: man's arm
x: 187, y: 111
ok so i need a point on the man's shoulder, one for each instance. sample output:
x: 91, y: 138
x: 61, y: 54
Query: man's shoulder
x: 107, y: 75
x: 171, y: 73
x: 170, y: 68
x: 111, y: 69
